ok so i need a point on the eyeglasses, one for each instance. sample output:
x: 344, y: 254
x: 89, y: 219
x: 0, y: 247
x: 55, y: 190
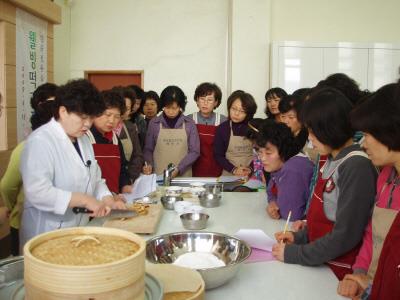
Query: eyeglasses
x: 206, y: 101
x: 238, y: 111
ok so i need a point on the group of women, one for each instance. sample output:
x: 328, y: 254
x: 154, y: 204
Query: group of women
x: 318, y: 152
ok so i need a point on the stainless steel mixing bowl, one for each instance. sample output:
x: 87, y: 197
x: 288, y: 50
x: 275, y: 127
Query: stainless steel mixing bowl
x: 233, y: 252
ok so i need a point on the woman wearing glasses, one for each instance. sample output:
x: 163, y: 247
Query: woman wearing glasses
x: 208, y: 97
x: 58, y: 167
x: 232, y: 151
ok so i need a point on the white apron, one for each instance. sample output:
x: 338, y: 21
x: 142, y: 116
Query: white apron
x: 239, y: 152
x: 171, y: 147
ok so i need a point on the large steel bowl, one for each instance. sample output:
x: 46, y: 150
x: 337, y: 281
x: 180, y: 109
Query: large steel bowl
x: 165, y: 249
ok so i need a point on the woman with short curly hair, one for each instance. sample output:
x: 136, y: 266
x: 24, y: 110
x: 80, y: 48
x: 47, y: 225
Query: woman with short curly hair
x: 291, y: 171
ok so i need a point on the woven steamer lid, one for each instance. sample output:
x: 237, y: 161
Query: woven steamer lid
x: 66, y: 261
x: 84, y: 250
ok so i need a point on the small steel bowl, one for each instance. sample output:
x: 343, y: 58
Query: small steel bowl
x: 169, y: 201
x: 165, y: 249
x: 194, y: 221
x: 210, y: 200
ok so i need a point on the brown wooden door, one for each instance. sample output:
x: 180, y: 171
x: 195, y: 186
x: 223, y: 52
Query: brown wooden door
x: 105, y: 80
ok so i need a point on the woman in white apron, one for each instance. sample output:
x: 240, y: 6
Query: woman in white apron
x: 232, y: 151
x: 172, y: 137
x: 379, y: 118
x: 58, y: 167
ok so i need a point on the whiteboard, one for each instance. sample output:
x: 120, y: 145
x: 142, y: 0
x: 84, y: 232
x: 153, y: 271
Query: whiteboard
x: 298, y: 64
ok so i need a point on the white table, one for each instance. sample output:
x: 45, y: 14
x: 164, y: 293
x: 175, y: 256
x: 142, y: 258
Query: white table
x: 264, y: 280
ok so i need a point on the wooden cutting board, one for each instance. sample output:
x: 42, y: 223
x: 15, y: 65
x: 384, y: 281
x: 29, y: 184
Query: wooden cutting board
x: 146, y: 224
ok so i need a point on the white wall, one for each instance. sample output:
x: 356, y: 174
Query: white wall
x: 335, y: 20
x: 250, y: 48
x: 175, y: 42
x: 184, y: 42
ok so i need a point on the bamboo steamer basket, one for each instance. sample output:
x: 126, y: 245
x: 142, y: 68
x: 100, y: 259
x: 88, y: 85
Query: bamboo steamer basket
x: 121, y: 279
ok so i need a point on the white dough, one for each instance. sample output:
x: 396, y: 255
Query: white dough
x: 199, y: 260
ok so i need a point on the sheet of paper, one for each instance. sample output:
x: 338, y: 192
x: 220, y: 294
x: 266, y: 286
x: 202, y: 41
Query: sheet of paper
x: 207, y: 180
x: 256, y: 238
x: 143, y: 186
x: 258, y: 255
x: 254, y: 184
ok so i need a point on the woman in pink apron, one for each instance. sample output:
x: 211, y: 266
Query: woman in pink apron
x: 232, y: 151
x: 107, y: 147
x: 343, y: 196
x: 172, y: 137
x: 379, y: 118
x: 208, y: 97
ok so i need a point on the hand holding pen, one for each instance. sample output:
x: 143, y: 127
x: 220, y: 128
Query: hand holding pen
x: 283, y: 238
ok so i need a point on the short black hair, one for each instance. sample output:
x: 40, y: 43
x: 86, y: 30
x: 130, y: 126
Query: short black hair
x: 347, y: 85
x: 275, y: 92
x: 253, y: 128
x: 379, y: 115
x: 173, y: 94
x: 279, y: 135
x: 43, y: 109
x: 271, y: 93
x: 139, y: 92
x: 302, y: 93
x: 153, y: 96
x: 326, y: 113
x: 248, y: 103
x: 125, y: 92
x: 128, y: 93
x: 207, y: 88
x: 42, y: 114
x: 114, y: 99
x: 290, y: 102
x: 79, y: 96
x: 43, y: 93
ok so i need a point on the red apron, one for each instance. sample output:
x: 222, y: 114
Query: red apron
x: 318, y: 225
x: 109, y: 159
x: 274, y: 190
x: 205, y: 165
x: 386, y: 284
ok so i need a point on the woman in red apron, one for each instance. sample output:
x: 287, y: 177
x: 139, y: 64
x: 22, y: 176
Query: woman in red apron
x: 343, y: 196
x: 378, y: 260
x: 107, y: 148
x: 208, y: 97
